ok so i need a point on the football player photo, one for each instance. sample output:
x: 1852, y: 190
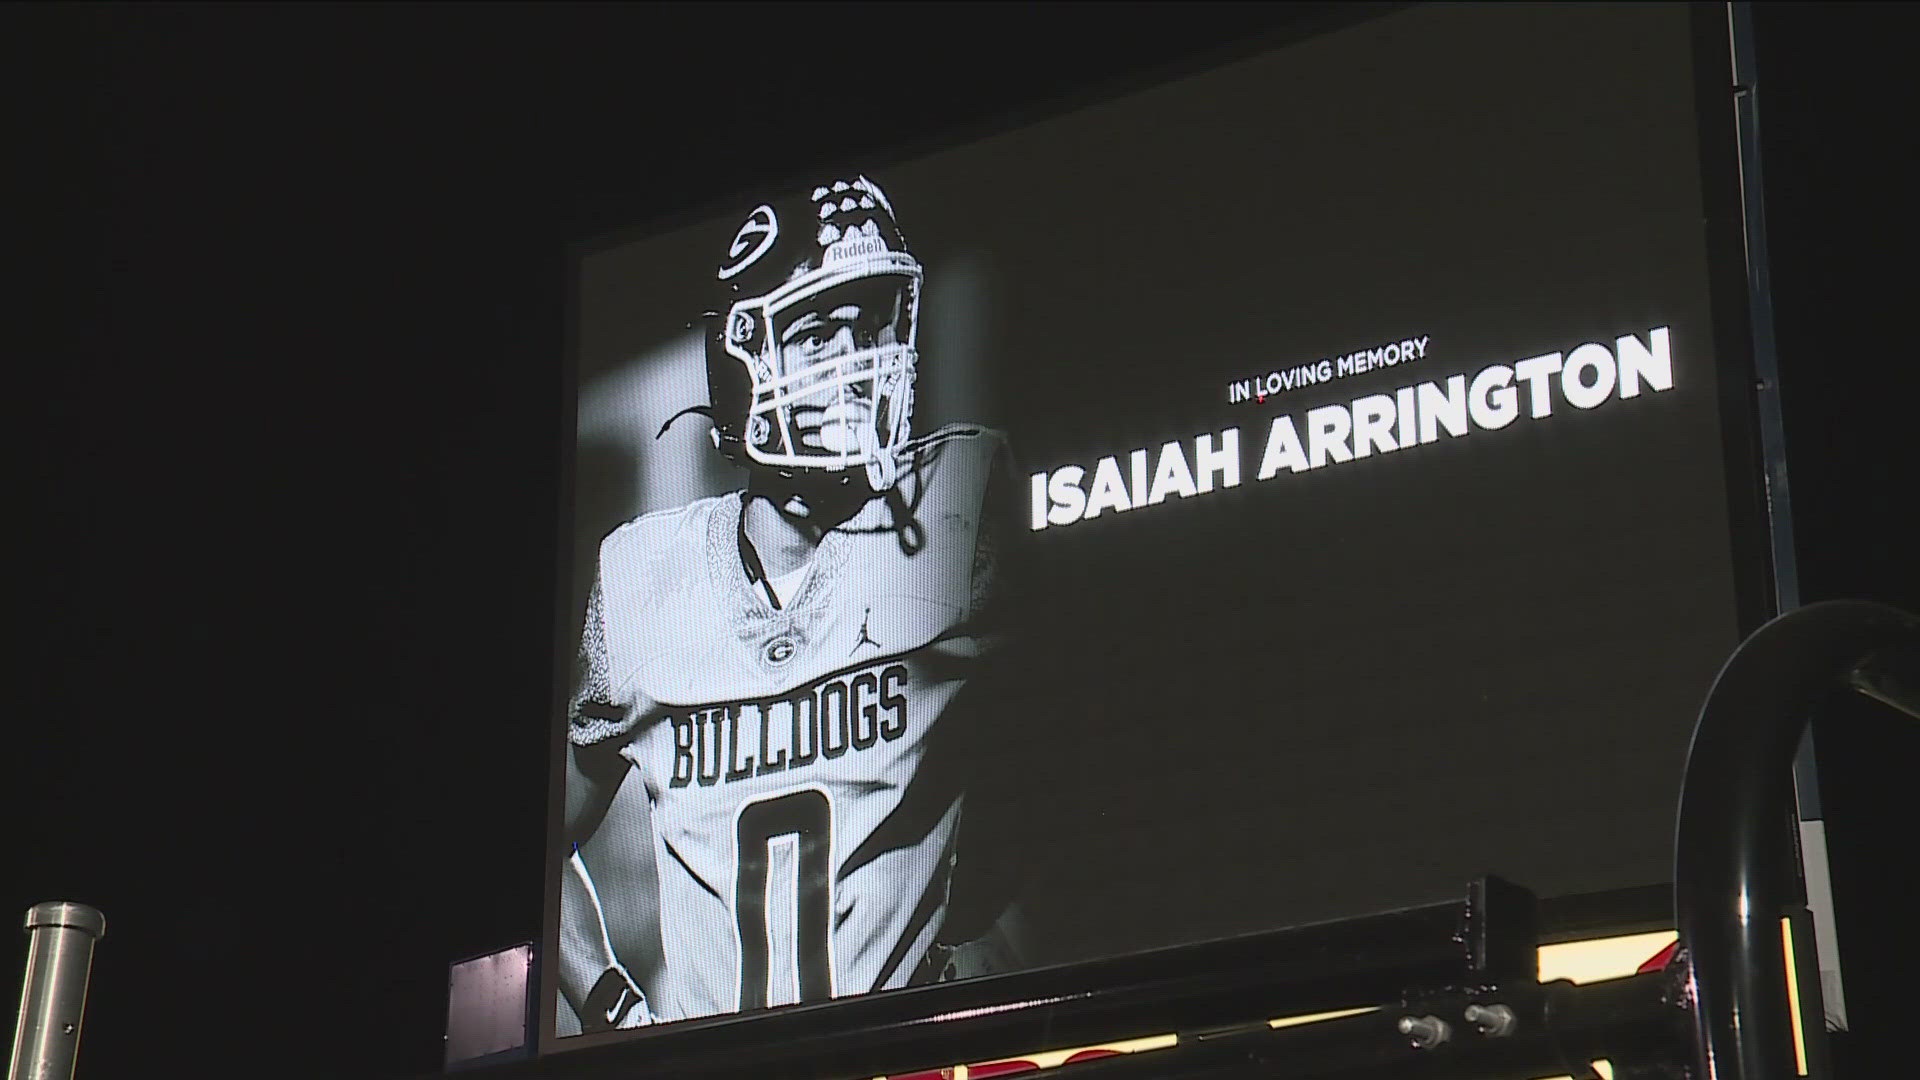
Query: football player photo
x: 767, y: 728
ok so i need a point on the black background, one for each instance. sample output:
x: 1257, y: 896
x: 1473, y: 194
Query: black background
x: 284, y: 335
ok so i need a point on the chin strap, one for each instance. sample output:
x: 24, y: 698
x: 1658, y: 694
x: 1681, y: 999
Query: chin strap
x: 701, y: 410
x: 906, y: 527
x: 883, y: 469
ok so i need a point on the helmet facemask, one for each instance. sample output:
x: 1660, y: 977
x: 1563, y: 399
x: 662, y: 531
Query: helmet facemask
x: 830, y: 358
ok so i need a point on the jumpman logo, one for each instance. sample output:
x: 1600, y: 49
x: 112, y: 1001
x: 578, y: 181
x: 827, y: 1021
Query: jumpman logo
x: 866, y: 638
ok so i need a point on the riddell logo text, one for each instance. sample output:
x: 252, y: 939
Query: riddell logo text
x: 725, y: 743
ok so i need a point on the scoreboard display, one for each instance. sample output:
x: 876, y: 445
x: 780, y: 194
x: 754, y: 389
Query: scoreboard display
x: 1278, y: 494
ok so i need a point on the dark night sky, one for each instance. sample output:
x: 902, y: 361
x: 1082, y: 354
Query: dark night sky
x: 285, y: 384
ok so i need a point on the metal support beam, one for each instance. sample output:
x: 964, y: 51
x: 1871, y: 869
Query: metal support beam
x: 1734, y: 875
x: 59, y: 959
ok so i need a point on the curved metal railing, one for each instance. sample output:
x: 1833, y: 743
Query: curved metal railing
x: 1734, y: 870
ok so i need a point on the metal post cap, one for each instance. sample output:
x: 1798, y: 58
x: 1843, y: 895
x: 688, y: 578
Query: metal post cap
x: 66, y: 913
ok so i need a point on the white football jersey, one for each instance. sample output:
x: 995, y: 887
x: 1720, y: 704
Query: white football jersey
x: 802, y: 851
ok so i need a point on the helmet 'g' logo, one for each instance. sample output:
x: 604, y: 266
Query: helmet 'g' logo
x: 756, y: 235
x: 780, y: 650
x: 740, y: 327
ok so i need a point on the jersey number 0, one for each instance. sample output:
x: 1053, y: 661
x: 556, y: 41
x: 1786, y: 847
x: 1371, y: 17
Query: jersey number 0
x: 802, y: 820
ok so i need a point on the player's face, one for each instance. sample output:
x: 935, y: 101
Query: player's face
x: 829, y: 344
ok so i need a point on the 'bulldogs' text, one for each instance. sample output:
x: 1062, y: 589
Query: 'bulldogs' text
x: 724, y: 743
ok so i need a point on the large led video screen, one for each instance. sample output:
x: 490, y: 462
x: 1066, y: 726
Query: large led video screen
x: 1279, y: 494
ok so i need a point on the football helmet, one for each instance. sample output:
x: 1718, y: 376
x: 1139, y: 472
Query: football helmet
x: 811, y: 350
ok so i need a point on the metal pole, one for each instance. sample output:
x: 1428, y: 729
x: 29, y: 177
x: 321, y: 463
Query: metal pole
x: 59, y: 956
x: 1734, y: 871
